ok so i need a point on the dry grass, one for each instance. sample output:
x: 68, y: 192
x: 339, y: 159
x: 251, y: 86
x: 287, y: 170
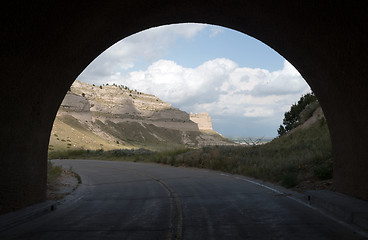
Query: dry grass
x: 304, y: 155
x: 53, y: 172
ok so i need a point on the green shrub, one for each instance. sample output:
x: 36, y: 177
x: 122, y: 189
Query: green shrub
x: 289, y: 179
x: 308, y: 111
x: 323, y: 171
x: 53, y: 172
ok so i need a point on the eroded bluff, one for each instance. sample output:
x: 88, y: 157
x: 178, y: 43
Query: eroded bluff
x: 110, y: 117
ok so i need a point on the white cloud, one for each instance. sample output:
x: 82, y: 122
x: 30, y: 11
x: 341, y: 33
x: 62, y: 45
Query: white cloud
x: 218, y: 86
x: 221, y: 87
x: 215, y: 30
x: 179, y: 85
x: 187, y: 30
x: 285, y: 81
x: 149, y: 45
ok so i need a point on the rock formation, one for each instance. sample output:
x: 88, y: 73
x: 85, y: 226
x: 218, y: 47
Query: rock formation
x: 109, y: 117
x: 203, y: 120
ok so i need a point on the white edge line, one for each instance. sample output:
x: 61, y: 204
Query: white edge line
x: 261, y: 185
x: 349, y: 226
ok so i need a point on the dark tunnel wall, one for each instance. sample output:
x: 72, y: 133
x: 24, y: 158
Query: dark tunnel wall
x: 46, y: 45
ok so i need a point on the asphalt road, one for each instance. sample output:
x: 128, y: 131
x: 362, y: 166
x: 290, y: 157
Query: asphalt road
x: 126, y: 200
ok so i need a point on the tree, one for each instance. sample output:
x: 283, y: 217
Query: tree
x: 292, y: 117
x: 281, y: 131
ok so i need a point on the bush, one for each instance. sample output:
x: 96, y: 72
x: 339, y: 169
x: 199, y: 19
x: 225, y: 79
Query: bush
x: 289, y: 179
x: 53, y: 172
x: 323, y: 171
x: 308, y: 111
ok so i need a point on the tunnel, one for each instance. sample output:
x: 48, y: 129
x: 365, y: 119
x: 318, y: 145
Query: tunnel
x: 45, y: 45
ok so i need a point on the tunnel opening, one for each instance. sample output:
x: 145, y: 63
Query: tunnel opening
x: 321, y: 42
x: 226, y: 84
x: 100, y: 117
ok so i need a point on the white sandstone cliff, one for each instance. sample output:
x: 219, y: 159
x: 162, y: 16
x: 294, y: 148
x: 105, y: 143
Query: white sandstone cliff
x: 118, y: 114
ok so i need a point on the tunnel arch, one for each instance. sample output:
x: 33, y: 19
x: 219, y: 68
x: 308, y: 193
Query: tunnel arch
x: 46, y: 46
x: 109, y: 67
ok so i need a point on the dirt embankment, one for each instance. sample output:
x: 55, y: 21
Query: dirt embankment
x: 65, y: 184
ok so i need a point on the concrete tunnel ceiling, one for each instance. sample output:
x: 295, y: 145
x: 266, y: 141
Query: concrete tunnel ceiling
x: 45, y: 46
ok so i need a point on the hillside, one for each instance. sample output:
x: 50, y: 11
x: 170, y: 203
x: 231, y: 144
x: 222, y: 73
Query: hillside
x: 301, y: 159
x: 116, y: 117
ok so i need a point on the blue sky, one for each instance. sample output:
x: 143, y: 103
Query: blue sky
x: 242, y: 83
x: 227, y: 43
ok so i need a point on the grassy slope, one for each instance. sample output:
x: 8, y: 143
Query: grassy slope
x: 216, y: 135
x: 303, y: 156
x: 69, y: 134
x: 143, y: 135
x: 302, y: 159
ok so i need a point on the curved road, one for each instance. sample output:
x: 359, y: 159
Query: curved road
x: 126, y: 200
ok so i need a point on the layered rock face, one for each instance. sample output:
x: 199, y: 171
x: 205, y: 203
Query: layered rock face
x: 117, y: 117
x: 203, y: 120
x: 119, y: 104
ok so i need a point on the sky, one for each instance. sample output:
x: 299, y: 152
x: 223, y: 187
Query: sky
x: 244, y: 85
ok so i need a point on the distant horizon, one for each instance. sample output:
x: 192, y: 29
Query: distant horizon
x: 227, y: 136
x: 257, y: 137
x: 244, y: 85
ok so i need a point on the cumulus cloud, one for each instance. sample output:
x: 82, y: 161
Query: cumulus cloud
x: 285, y: 81
x: 215, y: 30
x: 182, y: 86
x: 149, y: 46
x: 221, y: 87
